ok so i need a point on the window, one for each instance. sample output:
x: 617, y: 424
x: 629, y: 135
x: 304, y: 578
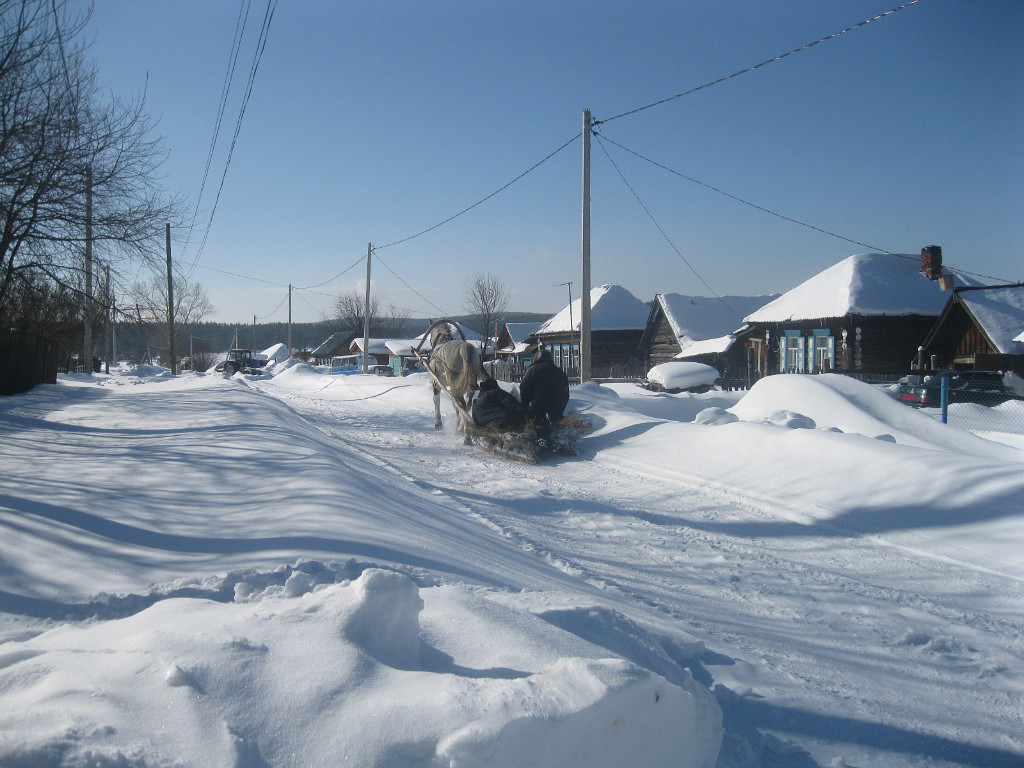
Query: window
x: 821, y: 351
x: 791, y: 352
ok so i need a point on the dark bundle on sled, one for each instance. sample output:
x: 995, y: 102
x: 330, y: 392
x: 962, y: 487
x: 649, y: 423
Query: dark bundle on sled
x: 527, y: 446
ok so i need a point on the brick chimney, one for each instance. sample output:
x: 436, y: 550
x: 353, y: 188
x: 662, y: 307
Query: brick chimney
x: 931, y: 261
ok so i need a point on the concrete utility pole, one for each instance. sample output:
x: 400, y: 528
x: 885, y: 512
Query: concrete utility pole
x: 289, y: 320
x: 170, y: 305
x: 585, y: 295
x: 87, y: 335
x: 366, y: 313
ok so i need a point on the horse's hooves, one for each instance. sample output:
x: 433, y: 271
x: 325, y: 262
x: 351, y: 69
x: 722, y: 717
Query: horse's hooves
x: 438, y: 427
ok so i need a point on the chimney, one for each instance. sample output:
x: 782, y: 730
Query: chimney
x: 931, y: 262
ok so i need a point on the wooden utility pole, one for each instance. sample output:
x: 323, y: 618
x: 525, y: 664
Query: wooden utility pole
x: 170, y: 304
x: 366, y: 313
x: 289, y: 320
x: 585, y: 367
x: 87, y: 334
x: 108, y: 313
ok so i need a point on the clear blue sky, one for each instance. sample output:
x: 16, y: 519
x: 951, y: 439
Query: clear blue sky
x: 370, y: 122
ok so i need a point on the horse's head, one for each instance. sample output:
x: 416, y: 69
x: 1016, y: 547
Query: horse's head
x: 440, y: 335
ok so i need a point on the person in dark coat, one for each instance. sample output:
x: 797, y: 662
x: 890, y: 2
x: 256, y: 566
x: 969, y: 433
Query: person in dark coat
x: 544, y: 389
x: 494, y: 407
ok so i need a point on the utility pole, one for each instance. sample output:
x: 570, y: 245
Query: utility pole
x: 87, y: 336
x: 108, y: 317
x: 254, y: 334
x: 366, y: 313
x: 289, y: 320
x: 170, y: 305
x: 585, y: 367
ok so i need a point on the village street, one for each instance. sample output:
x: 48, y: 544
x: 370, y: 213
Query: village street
x: 831, y: 640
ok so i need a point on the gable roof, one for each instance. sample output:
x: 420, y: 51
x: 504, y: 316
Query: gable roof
x: 999, y: 313
x: 612, y: 308
x: 698, y: 318
x: 867, y: 284
x: 328, y: 345
x: 520, y: 332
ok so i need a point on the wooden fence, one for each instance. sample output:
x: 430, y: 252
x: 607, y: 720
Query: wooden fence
x: 26, y: 360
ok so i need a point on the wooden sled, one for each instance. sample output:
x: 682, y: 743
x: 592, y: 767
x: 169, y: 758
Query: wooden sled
x: 562, y: 440
x: 524, y: 446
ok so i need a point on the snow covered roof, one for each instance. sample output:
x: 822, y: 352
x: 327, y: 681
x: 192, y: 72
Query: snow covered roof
x: 403, y: 347
x: 331, y: 342
x: 376, y: 346
x: 612, y: 308
x: 520, y: 332
x: 707, y: 347
x: 696, y: 318
x: 999, y: 311
x: 866, y: 284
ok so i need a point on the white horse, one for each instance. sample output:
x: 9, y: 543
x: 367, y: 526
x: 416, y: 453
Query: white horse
x: 456, y: 364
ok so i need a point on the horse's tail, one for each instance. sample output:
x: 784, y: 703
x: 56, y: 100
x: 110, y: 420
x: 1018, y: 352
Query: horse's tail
x: 471, y: 372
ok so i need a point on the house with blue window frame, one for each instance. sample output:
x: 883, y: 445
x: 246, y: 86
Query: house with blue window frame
x: 867, y: 314
x: 617, y: 322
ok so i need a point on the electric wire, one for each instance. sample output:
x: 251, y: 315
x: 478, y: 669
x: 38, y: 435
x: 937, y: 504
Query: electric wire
x: 757, y: 66
x: 790, y: 219
x: 261, y: 45
x: 356, y: 263
x: 482, y: 200
x: 672, y: 245
x: 402, y: 281
x: 264, y: 317
x: 229, y: 76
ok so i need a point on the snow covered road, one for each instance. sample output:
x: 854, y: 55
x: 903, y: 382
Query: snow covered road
x: 847, y: 604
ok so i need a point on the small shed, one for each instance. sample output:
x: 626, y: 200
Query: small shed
x: 977, y: 331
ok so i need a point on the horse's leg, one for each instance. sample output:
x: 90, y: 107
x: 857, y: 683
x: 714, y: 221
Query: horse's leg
x: 467, y: 403
x: 437, y: 409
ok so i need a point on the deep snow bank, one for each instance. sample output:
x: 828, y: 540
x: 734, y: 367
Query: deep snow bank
x: 344, y: 674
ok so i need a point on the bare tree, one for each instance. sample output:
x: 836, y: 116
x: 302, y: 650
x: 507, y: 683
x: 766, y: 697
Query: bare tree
x: 149, y: 302
x: 385, y: 322
x: 487, y: 300
x: 62, y: 142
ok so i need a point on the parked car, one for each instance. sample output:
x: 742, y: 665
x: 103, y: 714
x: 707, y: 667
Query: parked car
x: 382, y: 370
x: 984, y: 387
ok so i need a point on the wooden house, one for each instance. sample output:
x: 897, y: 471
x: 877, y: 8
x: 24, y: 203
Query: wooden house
x: 336, y: 344
x: 617, y: 322
x: 695, y: 327
x: 867, y: 314
x: 377, y: 349
x: 515, y: 345
x: 978, y: 330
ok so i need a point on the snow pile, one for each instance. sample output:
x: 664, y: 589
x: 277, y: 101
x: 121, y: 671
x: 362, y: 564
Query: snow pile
x: 348, y: 673
x: 682, y: 375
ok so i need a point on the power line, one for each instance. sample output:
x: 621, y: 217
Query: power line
x: 790, y: 219
x: 236, y: 47
x: 757, y: 66
x: 356, y: 263
x: 482, y: 200
x: 745, y: 202
x: 402, y: 281
x: 662, y: 231
x: 261, y: 45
